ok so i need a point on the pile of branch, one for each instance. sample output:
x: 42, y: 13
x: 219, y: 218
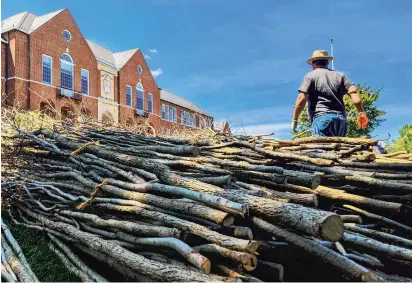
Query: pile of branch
x: 242, y: 209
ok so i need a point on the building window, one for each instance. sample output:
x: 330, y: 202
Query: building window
x: 150, y: 103
x: 139, y: 69
x: 169, y: 113
x: 67, y: 35
x: 163, y: 112
x: 47, y: 63
x: 66, y: 75
x: 85, y: 81
x: 202, y: 122
x: 192, y: 120
x: 139, y: 96
x: 209, y: 122
x: 129, y: 96
x: 187, y: 118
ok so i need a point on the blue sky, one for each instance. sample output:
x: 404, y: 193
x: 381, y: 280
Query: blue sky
x: 244, y: 60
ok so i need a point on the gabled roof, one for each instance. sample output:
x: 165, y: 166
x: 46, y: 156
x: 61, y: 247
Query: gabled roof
x: 26, y: 22
x: 39, y: 21
x: 102, y: 54
x: 114, y: 60
x: 181, y: 101
x: 121, y: 58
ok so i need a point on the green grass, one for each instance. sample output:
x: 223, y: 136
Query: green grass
x: 44, y: 263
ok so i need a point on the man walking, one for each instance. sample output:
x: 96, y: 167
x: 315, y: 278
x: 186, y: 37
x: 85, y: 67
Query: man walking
x: 324, y: 89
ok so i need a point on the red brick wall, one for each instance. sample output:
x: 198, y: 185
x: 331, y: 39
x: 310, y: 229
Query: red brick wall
x: 48, y: 40
x: 129, y: 75
x: 171, y: 125
x: 3, y: 73
x: 18, y: 67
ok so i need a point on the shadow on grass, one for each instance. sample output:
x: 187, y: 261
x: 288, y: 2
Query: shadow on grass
x: 44, y: 262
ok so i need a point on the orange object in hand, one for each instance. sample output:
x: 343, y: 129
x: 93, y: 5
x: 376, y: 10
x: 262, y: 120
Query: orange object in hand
x: 362, y: 120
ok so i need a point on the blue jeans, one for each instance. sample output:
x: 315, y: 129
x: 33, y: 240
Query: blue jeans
x: 330, y: 125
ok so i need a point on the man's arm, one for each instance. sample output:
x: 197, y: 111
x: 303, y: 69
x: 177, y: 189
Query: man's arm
x: 362, y: 118
x: 356, y: 98
x: 299, y: 106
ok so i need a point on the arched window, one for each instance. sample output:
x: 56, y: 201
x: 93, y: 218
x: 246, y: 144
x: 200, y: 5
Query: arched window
x: 139, y: 96
x: 66, y: 75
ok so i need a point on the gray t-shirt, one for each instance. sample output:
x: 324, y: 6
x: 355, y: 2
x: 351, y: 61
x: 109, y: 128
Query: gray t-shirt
x: 325, y: 89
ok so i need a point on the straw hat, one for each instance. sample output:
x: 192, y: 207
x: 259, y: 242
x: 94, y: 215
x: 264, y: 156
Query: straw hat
x: 320, y: 55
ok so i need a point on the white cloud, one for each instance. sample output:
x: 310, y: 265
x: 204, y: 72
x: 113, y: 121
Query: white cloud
x: 154, y: 50
x: 156, y: 73
x: 147, y: 57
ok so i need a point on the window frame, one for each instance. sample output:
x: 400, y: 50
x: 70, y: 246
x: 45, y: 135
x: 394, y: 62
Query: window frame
x: 69, y: 92
x: 167, y: 107
x: 88, y: 81
x: 163, y: 111
x: 51, y: 69
x: 150, y: 98
x: 137, y: 98
x: 71, y: 37
x: 131, y: 95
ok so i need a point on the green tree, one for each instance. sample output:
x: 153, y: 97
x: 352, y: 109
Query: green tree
x: 369, y: 98
x: 404, y: 142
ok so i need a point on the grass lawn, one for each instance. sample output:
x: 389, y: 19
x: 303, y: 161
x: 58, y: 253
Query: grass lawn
x: 44, y: 263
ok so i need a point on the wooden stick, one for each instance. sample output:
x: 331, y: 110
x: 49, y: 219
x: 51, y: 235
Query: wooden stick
x: 385, y: 237
x: 351, y: 219
x: 334, y: 194
x: 351, y: 270
x: 5, y: 275
x: 83, y: 276
x: 16, y: 247
x: 248, y: 261
x: 376, y: 247
x: 76, y: 260
x: 201, y: 231
x: 153, y: 270
x: 18, y: 268
x: 381, y: 218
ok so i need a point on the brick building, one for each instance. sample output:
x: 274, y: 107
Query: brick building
x: 47, y: 63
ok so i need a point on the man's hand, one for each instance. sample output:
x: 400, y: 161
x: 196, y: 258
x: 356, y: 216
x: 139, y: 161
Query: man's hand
x: 294, y: 125
x: 362, y: 120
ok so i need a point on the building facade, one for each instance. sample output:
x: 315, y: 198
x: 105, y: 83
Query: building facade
x: 47, y: 64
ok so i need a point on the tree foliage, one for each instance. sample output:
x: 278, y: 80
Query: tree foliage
x: 404, y: 142
x: 369, y: 99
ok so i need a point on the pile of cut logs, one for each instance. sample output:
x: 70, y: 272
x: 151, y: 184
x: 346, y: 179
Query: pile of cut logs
x: 244, y: 209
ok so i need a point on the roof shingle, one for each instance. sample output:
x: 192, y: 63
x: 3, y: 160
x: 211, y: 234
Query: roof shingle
x: 181, y: 101
x: 26, y: 22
